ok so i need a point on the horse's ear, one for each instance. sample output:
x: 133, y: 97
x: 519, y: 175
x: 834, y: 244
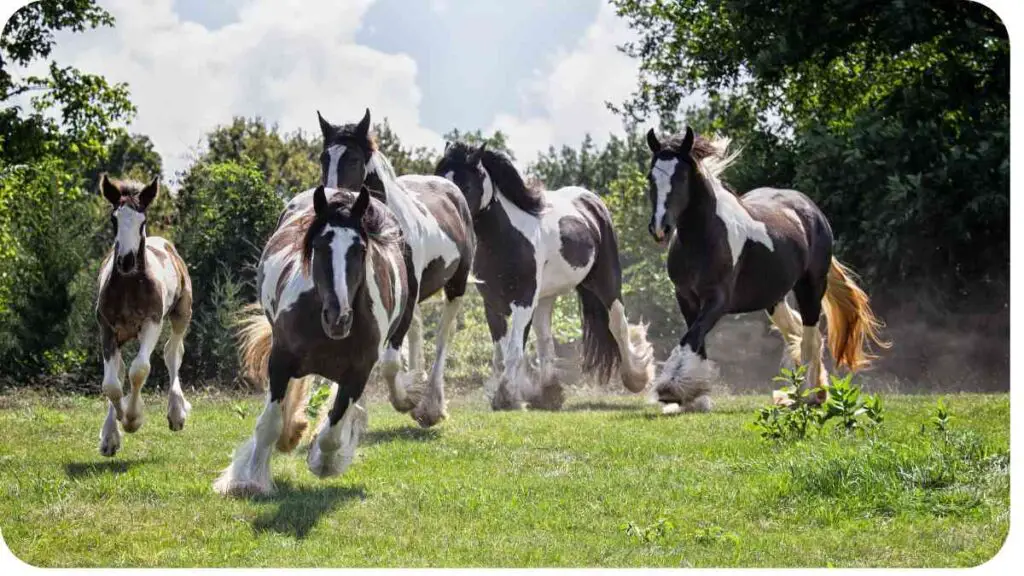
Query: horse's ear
x: 149, y: 193
x: 363, y: 128
x: 111, y: 192
x: 447, y: 145
x: 477, y: 155
x: 319, y: 200
x: 687, y: 144
x: 652, y: 141
x: 326, y: 129
x: 362, y: 203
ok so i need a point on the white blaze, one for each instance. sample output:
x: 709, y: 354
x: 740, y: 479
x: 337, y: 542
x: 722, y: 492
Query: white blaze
x: 334, y: 153
x: 488, y: 188
x: 662, y: 172
x: 129, y: 230
x: 343, y: 239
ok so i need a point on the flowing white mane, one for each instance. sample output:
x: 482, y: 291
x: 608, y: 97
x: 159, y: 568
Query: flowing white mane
x: 720, y: 157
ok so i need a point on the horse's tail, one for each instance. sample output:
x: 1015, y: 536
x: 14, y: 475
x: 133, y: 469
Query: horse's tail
x: 600, y: 350
x: 851, y: 323
x: 255, y: 338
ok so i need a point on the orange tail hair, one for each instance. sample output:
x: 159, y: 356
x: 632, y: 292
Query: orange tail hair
x: 851, y: 323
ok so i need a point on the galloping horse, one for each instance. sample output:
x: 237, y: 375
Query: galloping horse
x: 142, y: 281
x: 437, y: 226
x: 534, y: 247
x: 333, y: 291
x: 731, y: 254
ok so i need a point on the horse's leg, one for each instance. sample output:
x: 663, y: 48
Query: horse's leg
x: 415, y: 342
x: 809, y: 292
x: 788, y: 322
x: 685, y: 378
x: 334, y: 447
x: 137, y: 374
x: 177, y: 406
x: 110, y: 434
x: 249, y: 471
x: 551, y: 395
x: 401, y: 393
x: 431, y: 408
x: 515, y: 376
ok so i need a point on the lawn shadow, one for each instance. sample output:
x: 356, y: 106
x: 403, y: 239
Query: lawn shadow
x: 411, y: 433
x: 115, y: 467
x: 603, y: 406
x: 301, y: 507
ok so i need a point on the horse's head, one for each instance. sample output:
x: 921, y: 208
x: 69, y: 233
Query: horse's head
x: 335, y: 252
x: 346, y: 153
x: 463, y: 165
x: 669, y: 178
x: 129, y: 200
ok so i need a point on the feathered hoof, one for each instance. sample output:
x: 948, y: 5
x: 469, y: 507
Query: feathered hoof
x: 551, y: 397
x: 288, y: 442
x: 699, y: 404
x: 640, y: 370
x: 429, y: 412
x: 685, y: 381
x: 405, y: 395
x: 229, y: 485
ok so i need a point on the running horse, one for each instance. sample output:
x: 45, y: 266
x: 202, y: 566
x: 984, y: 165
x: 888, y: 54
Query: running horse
x: 534, y: 246
x: 732, y: 254
x: 437, y: 226
x: 333, y: 292
x: 142, y: 281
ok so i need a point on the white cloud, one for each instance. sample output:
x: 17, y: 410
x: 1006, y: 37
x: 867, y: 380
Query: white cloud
x: 282, y: 60
x: 569, y: 97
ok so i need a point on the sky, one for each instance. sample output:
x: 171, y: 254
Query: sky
x: 540, y: 71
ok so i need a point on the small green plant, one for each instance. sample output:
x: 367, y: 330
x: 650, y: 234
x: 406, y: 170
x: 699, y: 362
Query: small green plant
x: 942, y: 418
x: 317, y: 397
x: 651, y: 534
x: 793, y: 414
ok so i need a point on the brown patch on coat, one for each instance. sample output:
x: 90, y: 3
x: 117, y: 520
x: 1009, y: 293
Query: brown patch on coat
x: 290, y: 235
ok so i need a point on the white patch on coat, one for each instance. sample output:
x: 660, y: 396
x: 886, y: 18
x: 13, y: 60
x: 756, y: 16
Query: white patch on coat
x: 740, y: 226
x: 384, y: 318
x: 129, y: 230
x: 341, y: 242
x: 334, y: 154
x: 487, y: 186
x: 422, y: 231
x: 163, y: 272
x: 662, y: 172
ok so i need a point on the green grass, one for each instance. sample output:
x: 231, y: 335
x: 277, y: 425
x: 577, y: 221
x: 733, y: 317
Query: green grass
x: 607, y: 482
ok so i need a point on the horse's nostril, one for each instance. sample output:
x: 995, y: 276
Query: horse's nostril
x: 650, y: 228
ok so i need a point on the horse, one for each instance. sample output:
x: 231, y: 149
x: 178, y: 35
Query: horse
x: 534, y: 246
x: 142, y: 280
x: 437, y: 226
x: 731, y: 254
x: 333, y: 291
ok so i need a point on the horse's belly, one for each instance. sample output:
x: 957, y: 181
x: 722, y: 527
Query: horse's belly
x: 560, y: 277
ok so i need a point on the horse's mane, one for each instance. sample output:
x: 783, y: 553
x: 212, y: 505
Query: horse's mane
x: 130, y: 191
x: 381, y: 227
x: 348, y: 132
x: 510, y: 182
x: 711, y: 155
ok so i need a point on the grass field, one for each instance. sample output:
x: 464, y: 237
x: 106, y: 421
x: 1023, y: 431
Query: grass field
x: 607, y: 482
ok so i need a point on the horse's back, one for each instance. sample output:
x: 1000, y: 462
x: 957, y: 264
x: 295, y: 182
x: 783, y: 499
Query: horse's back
x: 788, y: 213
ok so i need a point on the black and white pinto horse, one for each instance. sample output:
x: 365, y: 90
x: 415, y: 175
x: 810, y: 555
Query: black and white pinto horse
x: 731, y: 254
x: 534, y: 246
x: 437, y: 227
x: 333, y: 292
x: 142, y: 281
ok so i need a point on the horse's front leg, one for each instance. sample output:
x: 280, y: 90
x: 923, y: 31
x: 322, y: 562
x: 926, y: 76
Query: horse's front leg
x: 401, y: 392
x: 685, y: 380
x: 137, y: 374
x: 249, y: 471
x: 177, y: 406
x: 110, y: 434
x: 334, y: 447
x: 431, y: 408
x: 551, y: 395
x: 514, y: 385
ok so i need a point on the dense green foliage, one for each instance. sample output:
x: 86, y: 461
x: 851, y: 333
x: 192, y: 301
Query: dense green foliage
x: 893, y: 115
x: 514, y: 489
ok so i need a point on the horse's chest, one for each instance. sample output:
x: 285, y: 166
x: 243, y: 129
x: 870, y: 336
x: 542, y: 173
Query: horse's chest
x: 128, y: 304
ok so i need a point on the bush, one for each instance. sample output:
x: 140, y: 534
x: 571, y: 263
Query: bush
x: 225, y: 214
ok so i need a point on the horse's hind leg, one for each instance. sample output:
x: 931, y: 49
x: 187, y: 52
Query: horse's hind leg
x: 551, y: 395
x: 400, y: 384
x: 177, y: 406
x: 110, y: 434
x: 788, y: 322
x: 809, y: 291
x: 137, y: 374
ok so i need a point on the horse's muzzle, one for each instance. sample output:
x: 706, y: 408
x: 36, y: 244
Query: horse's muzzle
x: 660, y: 235
x: 127, y: 264
x: 336, y: 326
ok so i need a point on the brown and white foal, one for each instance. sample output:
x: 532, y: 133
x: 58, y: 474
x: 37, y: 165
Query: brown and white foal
x: 142, y: 281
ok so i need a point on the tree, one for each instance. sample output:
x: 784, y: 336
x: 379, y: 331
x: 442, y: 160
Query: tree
x: 290, y: 163
x: 893, y: 115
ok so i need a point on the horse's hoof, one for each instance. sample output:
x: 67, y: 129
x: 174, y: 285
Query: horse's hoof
x: 110, y: 446
x: 242, y: 488
x: 428, y: 418
x: 132, y: 425
x: 176, y: 424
